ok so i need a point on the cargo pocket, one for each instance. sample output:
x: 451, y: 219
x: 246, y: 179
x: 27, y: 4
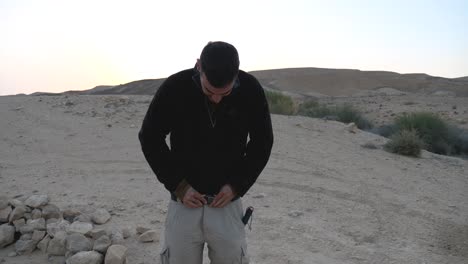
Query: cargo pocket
x: 164, y: 255
x: 244, y: 257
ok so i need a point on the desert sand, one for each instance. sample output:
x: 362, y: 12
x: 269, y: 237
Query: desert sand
x: 322, y: 199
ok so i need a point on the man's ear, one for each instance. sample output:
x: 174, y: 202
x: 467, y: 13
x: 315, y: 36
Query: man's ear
x: 198, y: 65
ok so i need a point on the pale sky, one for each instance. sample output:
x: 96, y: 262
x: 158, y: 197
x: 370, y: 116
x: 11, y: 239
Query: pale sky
x: 54, y: 46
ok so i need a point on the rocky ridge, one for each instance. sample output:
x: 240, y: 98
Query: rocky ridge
x: 66, y: 236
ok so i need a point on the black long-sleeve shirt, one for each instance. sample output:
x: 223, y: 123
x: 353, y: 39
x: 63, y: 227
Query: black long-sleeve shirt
x: 234, y: 151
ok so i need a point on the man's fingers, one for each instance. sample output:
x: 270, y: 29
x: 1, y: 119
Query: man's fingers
x: 223, y: 201
x: 193, y: 203
x: 194, y: 200
x: 200, y: 198
x: 217, y: 199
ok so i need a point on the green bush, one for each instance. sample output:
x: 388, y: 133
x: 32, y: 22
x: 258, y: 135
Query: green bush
x: 405, y: 142
x: 438, y: 136
x: 345, y: 113
x: 459, y: 139
x: 384, y: 130
x: 348, y: 114
x: 279, y: 103
x: 431, y: 128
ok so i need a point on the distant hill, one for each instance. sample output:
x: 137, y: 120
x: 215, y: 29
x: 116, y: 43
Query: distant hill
x: 315, y: 82
x: 136, y: 87
x: 344, y: 82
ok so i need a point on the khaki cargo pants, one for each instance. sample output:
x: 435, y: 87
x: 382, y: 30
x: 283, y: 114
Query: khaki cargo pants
x: 188, y: 229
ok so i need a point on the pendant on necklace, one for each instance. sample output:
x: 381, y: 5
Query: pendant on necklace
x: 211, y: 114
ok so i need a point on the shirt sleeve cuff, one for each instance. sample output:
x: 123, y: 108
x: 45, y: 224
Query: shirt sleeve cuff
x: 182, y: 189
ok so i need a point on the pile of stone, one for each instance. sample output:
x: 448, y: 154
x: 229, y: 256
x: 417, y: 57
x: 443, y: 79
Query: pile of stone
x: 68, y: 236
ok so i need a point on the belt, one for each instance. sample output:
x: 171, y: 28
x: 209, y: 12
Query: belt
x: 174, y: 198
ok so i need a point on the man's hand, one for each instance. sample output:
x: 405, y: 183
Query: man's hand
x: 224, y: 197
x: 193, y: 199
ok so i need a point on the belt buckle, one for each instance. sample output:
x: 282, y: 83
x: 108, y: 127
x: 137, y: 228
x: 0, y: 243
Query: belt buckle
x: 209, y: 199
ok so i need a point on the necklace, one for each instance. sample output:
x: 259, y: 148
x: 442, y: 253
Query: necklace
x: 211, y: 113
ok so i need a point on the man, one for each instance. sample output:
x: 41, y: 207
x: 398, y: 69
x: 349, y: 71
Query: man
x: 220, y: 141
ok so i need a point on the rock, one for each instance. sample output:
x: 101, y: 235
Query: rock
x: 61, y: 225
x: 52, y: 220
x: 100, y: 216
x: 12, y: 254
x: 352, y: 128
x: 85, y: 257
x: 38, y: 235
x: 75, y: 243
x: 27, y: 216
x: 36, y: 201
x: 24, y: 247
x: 16, y: 203
x: 27, y: 236
x: 116, y: 254
x: 102, y: 244
x: 43, y: 244
x: 5, y: 213
x: 19, y: 223
x: 7, y: 235
x: 126, y: 232
x: 80, y: 227
x: 370, y: 145
x: 97, y: 233
x: 141, y: 229
x: 31, y: 225
x: 3, y: 202
x: 295, y: 213
x: 51, y: 211
x: 38, y: 224
x: 148, y: 236
x: 71, y: 214
x: 17, y: 213
x: 56, y: 245
x: 36, y: 214
x: 56, y: 260
x: 260, y: 195
x: 117, y: 238
x: 85, y: 218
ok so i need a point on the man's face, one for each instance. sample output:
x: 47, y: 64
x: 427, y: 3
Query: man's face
x: 214, y: 94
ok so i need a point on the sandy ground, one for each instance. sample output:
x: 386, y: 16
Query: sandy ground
x: 327, y: 199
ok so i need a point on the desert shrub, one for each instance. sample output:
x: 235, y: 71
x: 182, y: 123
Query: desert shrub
x: 279, y: 103
x: 405, y: 142
x: 431, y: 128
x: 439, y: 136
x: 348, y: 114
x: 384, y: 130
x: 312, y: 108
x: 458, y: 139
x: 344, y: 113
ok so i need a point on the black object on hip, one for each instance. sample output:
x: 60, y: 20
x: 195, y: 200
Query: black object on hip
x: 247, y: 215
